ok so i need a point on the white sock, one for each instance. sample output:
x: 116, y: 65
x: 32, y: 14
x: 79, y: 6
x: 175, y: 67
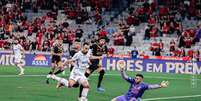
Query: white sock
x: 21, y: 69
x: 56, y: 78
x: 61, y: 80
x: 85, y: 92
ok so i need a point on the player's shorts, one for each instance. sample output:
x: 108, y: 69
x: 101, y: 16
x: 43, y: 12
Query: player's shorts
x: 18, y: 59
x: 77, y: 77
x: 123, y: 98
x: 56, y: 59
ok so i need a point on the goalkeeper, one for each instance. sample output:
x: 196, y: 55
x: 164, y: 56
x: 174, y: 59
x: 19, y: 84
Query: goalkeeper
x: 137, y: 87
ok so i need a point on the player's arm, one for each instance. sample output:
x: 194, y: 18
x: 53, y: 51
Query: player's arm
x: 95, y: 57
x: 163, y: 84
x: 124, y: 75
x: 70, y: 61
x: 22, y: 50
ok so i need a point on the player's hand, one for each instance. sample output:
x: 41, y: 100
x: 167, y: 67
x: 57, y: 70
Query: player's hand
x: 100, y: 57
x: 164, y: 84
x: 121, y: 66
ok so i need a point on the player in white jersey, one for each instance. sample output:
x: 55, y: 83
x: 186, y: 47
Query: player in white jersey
x: 81, y: 63
x: 18, y: 52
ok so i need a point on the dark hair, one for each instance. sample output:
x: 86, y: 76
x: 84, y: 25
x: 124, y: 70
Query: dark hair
x: 140, y: 75
x: 102, y: 38
x: 85, y: 43
x: 77, y: 40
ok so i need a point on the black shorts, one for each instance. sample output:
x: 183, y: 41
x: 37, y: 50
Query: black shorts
x: 94, y: 65
x: 56, y: 59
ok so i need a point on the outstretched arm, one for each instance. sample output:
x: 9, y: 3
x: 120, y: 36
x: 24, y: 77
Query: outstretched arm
x: 123, y: 74
x: 163, y: 84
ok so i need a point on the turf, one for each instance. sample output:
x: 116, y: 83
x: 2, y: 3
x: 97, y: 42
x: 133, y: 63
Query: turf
x: 33, y: 88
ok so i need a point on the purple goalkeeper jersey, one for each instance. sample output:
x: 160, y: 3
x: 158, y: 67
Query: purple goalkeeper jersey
x: 135, y: 90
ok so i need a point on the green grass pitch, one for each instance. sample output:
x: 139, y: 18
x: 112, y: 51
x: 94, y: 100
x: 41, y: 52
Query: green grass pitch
x: 32, y: 87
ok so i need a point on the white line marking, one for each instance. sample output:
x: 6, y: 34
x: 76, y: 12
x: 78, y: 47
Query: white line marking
x: 155, y: 77
x: 174, y: 97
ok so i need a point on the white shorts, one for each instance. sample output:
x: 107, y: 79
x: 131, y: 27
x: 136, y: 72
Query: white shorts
x: 77, y: 77
x: 18, y: 59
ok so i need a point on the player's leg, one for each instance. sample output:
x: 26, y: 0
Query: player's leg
x: 53, y: 67
x: 20, y: 65
x: 101, y: 72
x: 87, y: 74
x: 61, y: 68
x: 84, y: 82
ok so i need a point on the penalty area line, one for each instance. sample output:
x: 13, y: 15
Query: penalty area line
x: 169, y: 98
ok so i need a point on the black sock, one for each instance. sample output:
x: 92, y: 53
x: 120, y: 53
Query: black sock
x: 50, y: 72
x: 100, y: 78
x: 71, y: 68
x: 59, y: 71
x: 81, y: 87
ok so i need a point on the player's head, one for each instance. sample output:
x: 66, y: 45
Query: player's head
x: 139, y: 78
x: 102, y: 41
x: 85, y: 48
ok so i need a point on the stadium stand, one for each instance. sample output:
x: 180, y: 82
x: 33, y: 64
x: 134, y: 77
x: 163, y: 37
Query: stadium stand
x: 156, y: 28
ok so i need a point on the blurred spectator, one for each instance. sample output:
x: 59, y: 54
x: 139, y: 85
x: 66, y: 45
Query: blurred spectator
x: 134, y: 53
x: 154, y: 45
x: 197, y: 54
x: 79, y: 32
x: 132, y: 30
x: 161, y: 44
x: 157, y: 51
x: 172, y: 45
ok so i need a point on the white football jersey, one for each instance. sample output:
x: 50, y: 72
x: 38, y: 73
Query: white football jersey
x: 17, y: 50
x: 81, y: 63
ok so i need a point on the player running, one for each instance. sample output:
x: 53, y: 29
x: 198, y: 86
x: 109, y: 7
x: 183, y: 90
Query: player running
x: 137, y: 87
x: 57, y: 65
x: 18, y: 52
x: 81, y: 63
x: 97, y: 49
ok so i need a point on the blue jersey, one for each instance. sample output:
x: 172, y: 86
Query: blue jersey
x: 135, y: 90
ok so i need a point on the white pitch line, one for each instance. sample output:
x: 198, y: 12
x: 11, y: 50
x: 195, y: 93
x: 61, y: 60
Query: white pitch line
x: 173, y: 97
x: 155, y: 77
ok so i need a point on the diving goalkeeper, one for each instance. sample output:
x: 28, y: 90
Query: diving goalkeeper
x: 137, y: 87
